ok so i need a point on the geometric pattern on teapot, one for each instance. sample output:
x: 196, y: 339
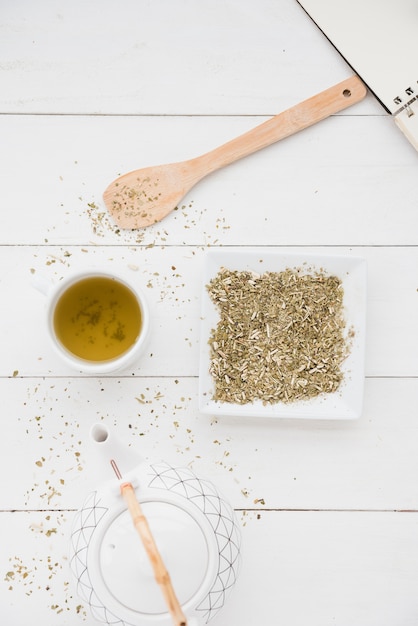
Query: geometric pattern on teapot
x: 85, y: 523
x: 182, y: 481
x: 203, y: 494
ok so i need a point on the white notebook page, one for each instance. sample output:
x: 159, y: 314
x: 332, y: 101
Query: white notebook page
x: 379, y: 39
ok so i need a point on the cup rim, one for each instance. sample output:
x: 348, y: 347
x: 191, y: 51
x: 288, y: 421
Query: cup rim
x: 84, y: 365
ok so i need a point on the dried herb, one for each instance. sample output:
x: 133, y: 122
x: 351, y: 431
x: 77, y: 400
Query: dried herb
x: 280, y: 337
x: 133, y: 201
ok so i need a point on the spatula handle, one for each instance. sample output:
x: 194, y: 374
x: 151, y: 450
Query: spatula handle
x: 289, y: 122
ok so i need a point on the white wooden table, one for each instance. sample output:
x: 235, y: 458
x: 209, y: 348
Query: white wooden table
x: 90, y: 90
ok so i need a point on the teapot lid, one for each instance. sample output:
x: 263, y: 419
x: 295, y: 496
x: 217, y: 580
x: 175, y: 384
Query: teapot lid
x: 125, y: 568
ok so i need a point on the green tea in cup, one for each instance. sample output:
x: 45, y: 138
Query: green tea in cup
x: 97, y: 321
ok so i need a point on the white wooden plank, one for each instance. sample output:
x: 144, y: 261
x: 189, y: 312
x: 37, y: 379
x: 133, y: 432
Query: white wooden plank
x: 298, y: 568
x: 345, y: 181
x: 50, y: 462
x: 171, y: 279
x: 162, y: 57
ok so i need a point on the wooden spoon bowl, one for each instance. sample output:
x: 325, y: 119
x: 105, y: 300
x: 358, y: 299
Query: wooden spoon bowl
x: 145, y: 196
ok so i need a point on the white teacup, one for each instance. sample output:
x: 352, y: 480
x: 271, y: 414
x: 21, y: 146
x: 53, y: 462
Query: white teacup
x: 97, y: 321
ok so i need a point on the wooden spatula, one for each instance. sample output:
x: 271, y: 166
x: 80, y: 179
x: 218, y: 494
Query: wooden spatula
x: 146, y: 196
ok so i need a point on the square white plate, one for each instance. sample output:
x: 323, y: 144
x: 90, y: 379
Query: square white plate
x: 347, y: 401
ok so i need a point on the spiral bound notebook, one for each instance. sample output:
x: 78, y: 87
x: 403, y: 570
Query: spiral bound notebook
x: 379, y: 40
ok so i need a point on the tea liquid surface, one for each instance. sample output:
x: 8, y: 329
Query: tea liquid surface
x: 97, y: 318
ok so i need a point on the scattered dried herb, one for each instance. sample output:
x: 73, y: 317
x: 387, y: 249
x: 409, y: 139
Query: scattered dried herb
x: 280, y: 337
x: 137, y: 200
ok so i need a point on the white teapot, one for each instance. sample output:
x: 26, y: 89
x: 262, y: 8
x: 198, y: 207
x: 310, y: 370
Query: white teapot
x: 194, y: 528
